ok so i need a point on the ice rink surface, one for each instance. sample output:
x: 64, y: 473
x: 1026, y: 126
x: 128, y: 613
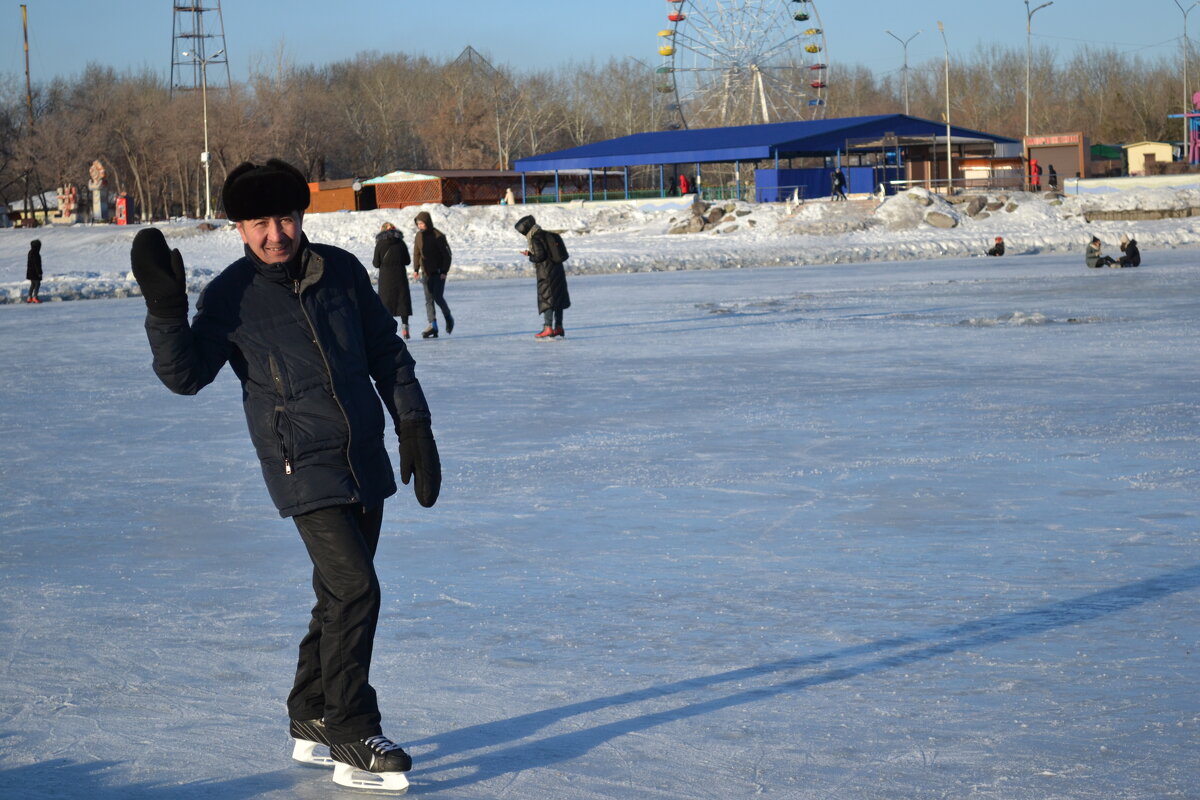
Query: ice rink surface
x: 897, y: 530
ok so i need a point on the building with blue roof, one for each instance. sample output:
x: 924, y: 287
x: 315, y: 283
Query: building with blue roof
x: 888, y: 150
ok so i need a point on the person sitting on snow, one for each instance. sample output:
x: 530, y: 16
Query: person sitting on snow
x: 1133, y: 256
x: 998, y: 248
x: 1093, y: 256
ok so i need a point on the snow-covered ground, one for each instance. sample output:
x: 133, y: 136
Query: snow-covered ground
x: 854, y: 531
x: 93, y: 261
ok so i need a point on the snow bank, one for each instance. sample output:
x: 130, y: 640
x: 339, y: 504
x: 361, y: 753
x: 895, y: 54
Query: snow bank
x: 86, y: 261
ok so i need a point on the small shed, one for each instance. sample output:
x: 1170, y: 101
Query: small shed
x: 340, y: 196
x: 400, y: 189
x: 1143, y: 156
x: 472, y: 187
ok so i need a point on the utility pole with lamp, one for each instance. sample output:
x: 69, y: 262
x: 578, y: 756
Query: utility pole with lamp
x: 205, y: 157
x: 904, y: 43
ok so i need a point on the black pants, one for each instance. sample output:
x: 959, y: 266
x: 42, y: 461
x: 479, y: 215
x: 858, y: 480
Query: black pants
x: 553, y: 317
x: 34, y: 288
x: 435, y: 286
x: 332, y: 676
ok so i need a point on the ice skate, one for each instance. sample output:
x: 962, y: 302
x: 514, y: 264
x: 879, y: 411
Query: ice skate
x: 430, y: 332
x: 546, y: 333
x: 559, y: 332
x: 372, y: 763
x: 309, y: 735
x: 449, y: 324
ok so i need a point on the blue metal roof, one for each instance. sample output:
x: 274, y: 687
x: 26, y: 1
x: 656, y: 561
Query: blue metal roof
x: 818, y: 137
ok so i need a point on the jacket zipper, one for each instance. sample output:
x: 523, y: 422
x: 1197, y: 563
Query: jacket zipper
x: 332, y: 390
x: 278, y: 379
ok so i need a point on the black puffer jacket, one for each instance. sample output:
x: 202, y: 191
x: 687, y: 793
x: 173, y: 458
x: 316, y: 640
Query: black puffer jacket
x: 1132, y: 256
x: 33, y: 263
x: 392, y: 259
x: 306, y: 352
x: 551, y: 277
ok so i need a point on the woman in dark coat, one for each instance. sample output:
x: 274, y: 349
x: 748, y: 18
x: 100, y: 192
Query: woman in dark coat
x: 1132, y: 256
x: 33, y: 270
x: 553, y: 297
x: 392, y: 260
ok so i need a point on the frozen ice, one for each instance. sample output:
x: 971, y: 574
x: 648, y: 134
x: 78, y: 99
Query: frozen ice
x: 911, y: 527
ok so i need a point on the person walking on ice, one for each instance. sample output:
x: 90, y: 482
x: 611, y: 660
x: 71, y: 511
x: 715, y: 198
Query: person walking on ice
x: 316, y: 352
x: 547, y: 253
x: 391, y: 259
x: 33, y: 271
x: 431, y: 262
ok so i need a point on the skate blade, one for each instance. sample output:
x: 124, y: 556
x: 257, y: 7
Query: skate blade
x: 346, y: 775
x: 304, y: 752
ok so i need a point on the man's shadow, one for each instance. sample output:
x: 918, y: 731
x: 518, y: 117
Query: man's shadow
x: 450, y: 751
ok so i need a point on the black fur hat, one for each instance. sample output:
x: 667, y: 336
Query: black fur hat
x: 253, y: 191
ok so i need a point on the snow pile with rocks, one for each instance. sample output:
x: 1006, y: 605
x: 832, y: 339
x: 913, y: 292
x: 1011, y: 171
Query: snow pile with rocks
x: 92, y: 261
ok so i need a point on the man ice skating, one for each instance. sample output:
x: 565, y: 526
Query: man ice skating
x: 306, y: 334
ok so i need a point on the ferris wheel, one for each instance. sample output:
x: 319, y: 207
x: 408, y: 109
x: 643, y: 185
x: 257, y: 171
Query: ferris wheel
x: 742, y: 62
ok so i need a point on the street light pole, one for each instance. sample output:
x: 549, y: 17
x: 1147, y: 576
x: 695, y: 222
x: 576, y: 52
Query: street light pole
x: 205, y: 157
x: 1187, y: 100
x: 1028, y: 52
x: 905, y: 42
x: 949, y: 168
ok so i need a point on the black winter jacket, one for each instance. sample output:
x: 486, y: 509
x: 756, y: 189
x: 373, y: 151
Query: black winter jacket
x: 33, y: 263
x: 392, y: 259
x: 306, y: 351
x: 551, y: 277
x: 1132, y: 256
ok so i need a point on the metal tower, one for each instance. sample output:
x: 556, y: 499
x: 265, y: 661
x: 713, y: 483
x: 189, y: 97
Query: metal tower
x: 197, y: 45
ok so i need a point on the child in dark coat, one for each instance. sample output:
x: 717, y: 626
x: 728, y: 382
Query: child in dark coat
x: 998, y: 248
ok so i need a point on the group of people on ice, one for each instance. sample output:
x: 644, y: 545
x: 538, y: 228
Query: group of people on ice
x: 1130, y: 255
x: 430, y: 260
x: 1093, y: 256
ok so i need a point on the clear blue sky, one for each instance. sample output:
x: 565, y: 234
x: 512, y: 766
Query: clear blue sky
x: 543, y: 34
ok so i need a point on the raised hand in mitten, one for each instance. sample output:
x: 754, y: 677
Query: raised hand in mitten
x: 159, y: 272
x: 419, y: 459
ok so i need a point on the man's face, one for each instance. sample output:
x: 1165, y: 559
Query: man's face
x: 273, y: 239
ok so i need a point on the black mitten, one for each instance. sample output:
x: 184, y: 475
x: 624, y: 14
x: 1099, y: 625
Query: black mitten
x: 419, y: 458
x: 159, y: 271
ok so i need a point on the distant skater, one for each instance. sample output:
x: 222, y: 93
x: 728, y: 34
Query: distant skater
x: 998, y: 248
x: 547, y: 253
x: 392, y: 260
x: 431, y: 262
x: 33, y: 270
